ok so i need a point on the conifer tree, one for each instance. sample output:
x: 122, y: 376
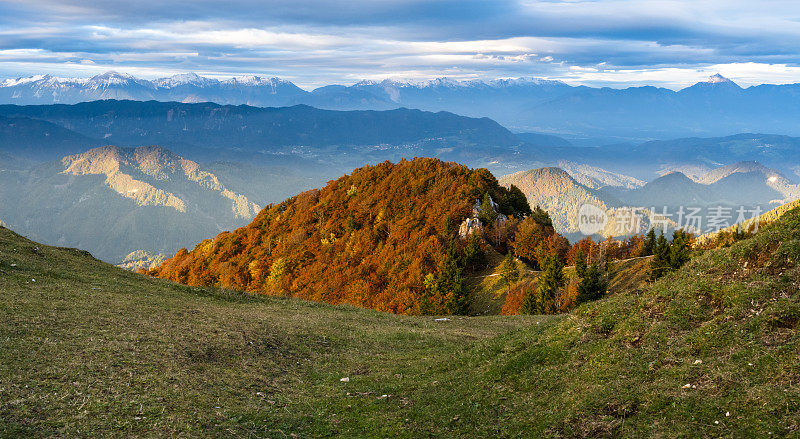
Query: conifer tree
x: 541, y: 216
x: 660, y: 264
x: 474, y: 256
x: 487, y: 214
x: 447, y: 282
x: 580, y: 263
x: 549, y: 282
x: 649, y: 243
x: 530, y: 303
x: 592, y: 285
x: 509, y: 273
x: 679, y: 250
x: 449, y: 228
x: 515, y: 202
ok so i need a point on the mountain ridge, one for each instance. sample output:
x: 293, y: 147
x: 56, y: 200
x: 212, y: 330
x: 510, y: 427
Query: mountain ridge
x: 713, y: 107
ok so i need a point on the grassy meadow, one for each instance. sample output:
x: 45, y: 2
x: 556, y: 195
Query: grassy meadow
x: 87, y: 349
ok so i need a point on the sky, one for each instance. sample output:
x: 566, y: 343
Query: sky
x: 617, y: 43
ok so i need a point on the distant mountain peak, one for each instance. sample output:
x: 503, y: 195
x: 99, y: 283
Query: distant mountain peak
x: 190, y: 78
x: 718, y: 79
x: 506, y: 82
x: 111, y: 75
x: 11, y: 82
x: 110, y: 79
x: 141, y: 174
x: 255, y: 80
x: 744, y: 167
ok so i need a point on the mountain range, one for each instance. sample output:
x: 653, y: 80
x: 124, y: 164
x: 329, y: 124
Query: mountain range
x: 217, y: 164
x: 562, y: 192
x: 714, y: 107
x: 288, y: 135
x: 328, y: 142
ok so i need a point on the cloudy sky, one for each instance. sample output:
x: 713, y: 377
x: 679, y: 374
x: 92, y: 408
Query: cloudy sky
x: 601, y: 42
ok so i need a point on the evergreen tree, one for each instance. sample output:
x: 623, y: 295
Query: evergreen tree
x: 449, y: 227
x: 541, y: 216
x: 580, y: 263
x: 509, y: 273
x: 474, y: 256
x: 530, y: 303
x: 448, y: 282
x: 649, y: 243
x: 660, y: 264
x: 514, y: 202
x: 487, y: 214
x: 592, y: 285
x: 549, y: 282
x: 679, y: 251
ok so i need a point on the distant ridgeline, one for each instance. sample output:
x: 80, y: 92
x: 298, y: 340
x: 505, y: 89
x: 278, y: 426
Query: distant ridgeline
x: 379, y: 238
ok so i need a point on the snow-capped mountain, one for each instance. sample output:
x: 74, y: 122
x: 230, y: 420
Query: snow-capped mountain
x: 188, y: 87
x: 252, y: 89
x: 191, y: 79
x: 714, y: 107
x: 717, y: 79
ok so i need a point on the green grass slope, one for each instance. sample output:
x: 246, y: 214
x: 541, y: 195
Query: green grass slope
x: 91, y: 350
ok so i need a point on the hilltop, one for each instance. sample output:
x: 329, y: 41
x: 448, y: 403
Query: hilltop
x: 369, y: 239
x: 709, y: 350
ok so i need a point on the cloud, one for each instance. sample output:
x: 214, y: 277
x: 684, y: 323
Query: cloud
x: 600, y: 42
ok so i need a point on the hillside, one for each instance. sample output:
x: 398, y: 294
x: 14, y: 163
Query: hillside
x: 208, y: 132
x: 558, y: 193
x: 368, y: 239
x: 746, y: 184
x: 113, y: 201
x: 598, y: 178
x: 673, y: 189
x: 710, y: 351
x: 759, y: 178
x: 38, y: 140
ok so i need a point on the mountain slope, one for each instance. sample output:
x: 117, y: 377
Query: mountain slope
x: 771, y: 150
x: 740, y: 184
x: 759, y: 178
x: 710, y: 349
x: 367, y: 239
x: 597, y: 178
x: 673, y: 189
x: 38, y: 140
x: 113, y: 201
x: 555, y: 191
x: 343, y: 138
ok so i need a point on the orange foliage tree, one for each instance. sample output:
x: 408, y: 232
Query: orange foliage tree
x: 367, y: 239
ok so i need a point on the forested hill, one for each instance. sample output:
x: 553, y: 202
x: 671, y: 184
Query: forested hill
x: 253, y: 128
x: 368, y: 239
